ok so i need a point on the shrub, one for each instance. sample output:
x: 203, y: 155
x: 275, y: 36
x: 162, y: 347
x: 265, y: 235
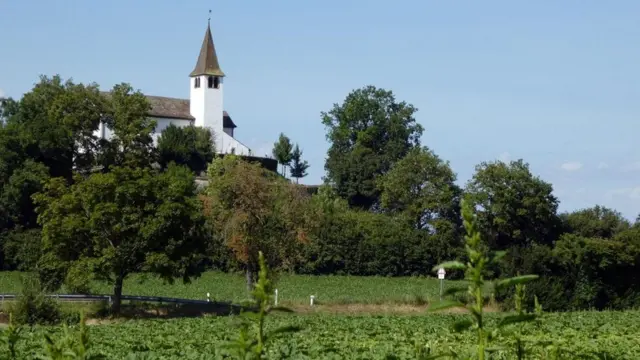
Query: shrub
x: 33, y: 307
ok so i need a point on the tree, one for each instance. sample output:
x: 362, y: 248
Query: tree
x: 127, y: 116
x: 255, y: 210
x: 282, y: 151
x: 298, y: 166
x: 422, y: 187
x: 368, y: 132
x: 514, y: 206
x: 110, y: 225
x: 598, y: 221
x: 55, y: 124
x: 191, y: 146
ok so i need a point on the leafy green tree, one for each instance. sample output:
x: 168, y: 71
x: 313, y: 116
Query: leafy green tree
x: 593, y: 268
x: 298, y: 166
x: 127, y: 116
x: 127, y: 220
x: 15, y: 195
x: 256, y: 210
x: 190, y: 145
x: 282, y: 151
x: 369, y: 132
x: 598, y: 221
x: 515, y: 208
x: 422, y: 187
x: 55, y: 124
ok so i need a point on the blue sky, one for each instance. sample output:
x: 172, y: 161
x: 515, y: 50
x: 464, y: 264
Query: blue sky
x: 556, y: 83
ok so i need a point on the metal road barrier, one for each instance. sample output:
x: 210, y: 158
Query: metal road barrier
x: 158, y: 299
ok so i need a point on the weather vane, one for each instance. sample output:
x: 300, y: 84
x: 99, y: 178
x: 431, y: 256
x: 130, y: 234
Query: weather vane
x: 209, y: 16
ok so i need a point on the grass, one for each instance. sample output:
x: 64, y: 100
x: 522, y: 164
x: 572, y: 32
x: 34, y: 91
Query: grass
x: 292, y: 289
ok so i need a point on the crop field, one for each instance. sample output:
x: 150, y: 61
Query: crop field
x: 594, y: 335
x: 292, y: 289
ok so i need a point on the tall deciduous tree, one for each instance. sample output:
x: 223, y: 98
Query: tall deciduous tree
x: 110, y: 225
x: 515, y: 207
x: 422, y: 187
x: 298, y: 166
x: 190, y: 145
x: 368, y: 132
x: 131, y: 144
x: 282, y: 151
x: 54, y: 124
x: 595, y: 222
x: 255, y: 210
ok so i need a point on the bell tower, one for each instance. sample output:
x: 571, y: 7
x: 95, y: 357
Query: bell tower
x: 206, y: 84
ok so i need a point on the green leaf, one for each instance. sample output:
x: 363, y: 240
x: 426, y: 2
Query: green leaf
x: 462, y: 325
x: 445, y: 304
x: 515, y: 319
x: 515, y: 280
x: 456, y: 265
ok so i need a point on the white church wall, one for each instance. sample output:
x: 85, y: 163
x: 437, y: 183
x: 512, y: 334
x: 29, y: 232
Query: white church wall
x: 227, y: 144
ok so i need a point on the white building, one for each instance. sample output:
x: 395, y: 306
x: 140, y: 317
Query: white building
x: 204, y: 107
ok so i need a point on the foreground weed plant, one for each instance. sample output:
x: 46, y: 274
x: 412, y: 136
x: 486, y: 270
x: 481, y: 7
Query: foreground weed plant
x: 479, y: 259
x: 253, y: 344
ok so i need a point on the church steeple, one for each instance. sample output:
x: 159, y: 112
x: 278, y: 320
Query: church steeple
x: 207, y: 60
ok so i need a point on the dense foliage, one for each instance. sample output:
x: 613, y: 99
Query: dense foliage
x: 390, y: 206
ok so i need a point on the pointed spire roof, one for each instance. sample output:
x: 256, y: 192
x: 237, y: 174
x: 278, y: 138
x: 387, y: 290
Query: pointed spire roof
x: 207, y: 60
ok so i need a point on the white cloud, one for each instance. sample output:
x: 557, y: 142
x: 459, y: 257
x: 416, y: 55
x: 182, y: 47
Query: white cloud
x: 603, y: 165
x: 504, y: 157
x: 635, y: 166
x: 571, y: 166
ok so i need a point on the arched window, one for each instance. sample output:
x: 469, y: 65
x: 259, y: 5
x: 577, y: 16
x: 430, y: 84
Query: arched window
x: 210, y: 82
x: 216, y: 82
x: 197, y: 83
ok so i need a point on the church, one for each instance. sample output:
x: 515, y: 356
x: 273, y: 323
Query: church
x: 204, y: 107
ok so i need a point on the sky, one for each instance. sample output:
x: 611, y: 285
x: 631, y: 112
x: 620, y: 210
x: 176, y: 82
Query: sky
x: 555, y: 83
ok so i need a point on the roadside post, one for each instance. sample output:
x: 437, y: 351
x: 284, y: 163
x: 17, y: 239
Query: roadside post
x: 441, y: 274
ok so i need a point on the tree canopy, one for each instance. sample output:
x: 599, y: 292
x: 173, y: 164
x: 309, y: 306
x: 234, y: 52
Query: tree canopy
x: 191, y: 146
x: 110, y: 225
x: 514, y: 206
x: 298, y: 166
x: 256, y: 210
x: 368, y: 133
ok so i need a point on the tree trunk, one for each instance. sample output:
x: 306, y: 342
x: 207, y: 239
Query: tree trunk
x: 117, y: 294
x: 249, y: 279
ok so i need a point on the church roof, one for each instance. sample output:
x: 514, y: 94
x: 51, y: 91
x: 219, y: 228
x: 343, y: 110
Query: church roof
x: 207, y: 60
x: 174, y: 108
x: 166, y: 107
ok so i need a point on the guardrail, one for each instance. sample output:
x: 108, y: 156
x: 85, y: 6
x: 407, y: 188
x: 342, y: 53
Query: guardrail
x: 158, y: 299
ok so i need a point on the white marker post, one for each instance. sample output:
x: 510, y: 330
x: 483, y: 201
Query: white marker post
x: 311, y: 298
x: 208, y: 297
x: 276, y: 298
x: 441, y: 274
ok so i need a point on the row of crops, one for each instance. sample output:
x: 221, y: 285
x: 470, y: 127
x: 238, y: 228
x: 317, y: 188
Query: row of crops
x: 591, y: 335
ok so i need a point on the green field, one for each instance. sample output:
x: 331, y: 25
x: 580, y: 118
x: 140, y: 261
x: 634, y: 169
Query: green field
x: 327, y: 335
x: 293, y: 289
x: 604, y: 335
